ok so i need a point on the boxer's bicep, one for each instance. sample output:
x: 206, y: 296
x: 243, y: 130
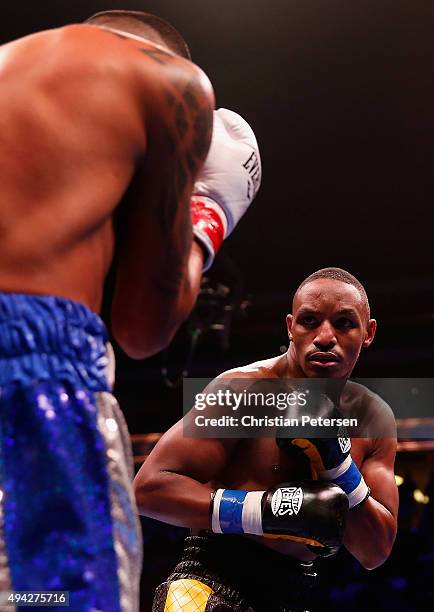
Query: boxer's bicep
x: 153, y: 276
x: 378, y: 472
x: 173, y: 484
x: 200, y: 459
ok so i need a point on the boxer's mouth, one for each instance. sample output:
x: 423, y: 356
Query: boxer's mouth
x: 322, y: 358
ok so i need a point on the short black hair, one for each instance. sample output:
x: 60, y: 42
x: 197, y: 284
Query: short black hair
x: 340, y: 275
x: 145, y: 25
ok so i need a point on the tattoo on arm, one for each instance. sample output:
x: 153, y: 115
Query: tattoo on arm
x: 190, y: 122
x: 191, y: 118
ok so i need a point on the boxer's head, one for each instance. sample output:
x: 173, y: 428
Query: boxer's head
x: 144, y: 25
x: 330, y: 324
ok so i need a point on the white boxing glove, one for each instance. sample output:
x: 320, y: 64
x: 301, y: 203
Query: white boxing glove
x: 227, y: 183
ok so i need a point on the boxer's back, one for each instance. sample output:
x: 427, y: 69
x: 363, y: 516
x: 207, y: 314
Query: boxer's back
x: 73, y: 107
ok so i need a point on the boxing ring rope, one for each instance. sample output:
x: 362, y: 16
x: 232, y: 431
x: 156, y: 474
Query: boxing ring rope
x: 408, y: 430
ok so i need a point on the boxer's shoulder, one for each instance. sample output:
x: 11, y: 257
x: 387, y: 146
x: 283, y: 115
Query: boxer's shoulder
x: 265, y: 368
x: 359, y: 397
x: 376, y: 420
x: 110, y: 68
x: 71, y: 54
x: 146, y: 59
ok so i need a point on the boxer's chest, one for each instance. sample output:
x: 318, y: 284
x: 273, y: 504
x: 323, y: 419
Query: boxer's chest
x: 260, y: 463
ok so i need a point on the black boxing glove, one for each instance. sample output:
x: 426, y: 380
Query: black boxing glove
x: 330, y: 458
x: 310, y: 512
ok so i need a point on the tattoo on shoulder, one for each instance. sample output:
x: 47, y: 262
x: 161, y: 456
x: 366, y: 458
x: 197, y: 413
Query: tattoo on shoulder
x: 190, y: 97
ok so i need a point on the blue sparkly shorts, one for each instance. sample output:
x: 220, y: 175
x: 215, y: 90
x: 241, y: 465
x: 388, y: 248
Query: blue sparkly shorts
x: 68, y: 521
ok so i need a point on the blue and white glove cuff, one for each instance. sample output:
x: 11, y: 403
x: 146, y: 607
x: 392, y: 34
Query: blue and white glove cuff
x: 348, y: 477
x: 237, y: 512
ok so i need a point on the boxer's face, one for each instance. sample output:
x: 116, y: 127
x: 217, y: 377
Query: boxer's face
x: 328, y: 327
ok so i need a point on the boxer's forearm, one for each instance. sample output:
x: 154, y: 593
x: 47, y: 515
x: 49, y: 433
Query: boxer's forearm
x: 166, y: 309
x: 370, y: 533
x: 193, y: 279
x: 189, y: 290
x: 174, y: 499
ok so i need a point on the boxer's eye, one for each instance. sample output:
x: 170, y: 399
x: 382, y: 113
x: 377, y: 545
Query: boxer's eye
x: 308, y: 320
x: 345, y: 323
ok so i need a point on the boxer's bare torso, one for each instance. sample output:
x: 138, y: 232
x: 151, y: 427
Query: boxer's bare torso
x: 93, y: 122
x: 245, y: 464
x: 258, y: 463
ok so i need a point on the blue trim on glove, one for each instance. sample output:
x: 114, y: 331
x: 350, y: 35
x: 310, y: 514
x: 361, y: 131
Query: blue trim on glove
x: 349, y: 480
x: 231, y: 511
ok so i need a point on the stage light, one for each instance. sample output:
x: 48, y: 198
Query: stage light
x: 420, y: 497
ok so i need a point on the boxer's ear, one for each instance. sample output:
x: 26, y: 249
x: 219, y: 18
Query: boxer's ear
x: 289, y: 321
x: 371, y: 328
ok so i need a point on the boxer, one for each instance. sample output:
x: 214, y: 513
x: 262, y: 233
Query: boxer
x: 259, y: 517
x: 110, y: 151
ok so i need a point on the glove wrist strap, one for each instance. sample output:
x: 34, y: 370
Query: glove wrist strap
x: 209, y: 226
x: 368, y: 494
x: 237, y: 512
x: 347, y: 476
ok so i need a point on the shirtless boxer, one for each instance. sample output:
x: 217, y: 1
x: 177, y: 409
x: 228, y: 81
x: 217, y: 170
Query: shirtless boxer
x: 105, y: 145
x: 329, y: 325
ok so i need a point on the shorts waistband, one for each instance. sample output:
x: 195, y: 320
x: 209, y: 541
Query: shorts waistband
x: 247, y: 568
x: 207, y: 544
x: 48, y: 337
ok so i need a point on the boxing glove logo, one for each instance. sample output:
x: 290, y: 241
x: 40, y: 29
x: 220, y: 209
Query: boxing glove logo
x: 287, y: 501
x: 344, y: 440
x: 253, y: 167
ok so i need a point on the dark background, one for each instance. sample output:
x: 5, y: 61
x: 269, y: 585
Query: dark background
x: 341, y: 97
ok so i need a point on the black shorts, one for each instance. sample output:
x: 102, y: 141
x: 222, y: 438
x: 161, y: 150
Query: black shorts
x: 229, y: 572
